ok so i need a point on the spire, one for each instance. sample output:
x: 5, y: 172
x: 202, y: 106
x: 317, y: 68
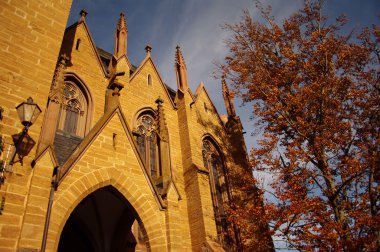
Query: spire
x: 121, y: 36
x: 180, y: 69
x: 228, y: 99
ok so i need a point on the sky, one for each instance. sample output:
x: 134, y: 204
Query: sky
x: 196, y: 26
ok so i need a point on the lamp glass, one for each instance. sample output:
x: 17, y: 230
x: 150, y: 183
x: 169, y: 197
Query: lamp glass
x: 28, y: 112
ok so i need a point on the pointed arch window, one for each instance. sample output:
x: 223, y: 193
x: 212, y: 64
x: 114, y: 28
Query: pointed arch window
x: 72, y: 115
x: 146, y: 138
x: 73, y: 111
x: 212, y: 161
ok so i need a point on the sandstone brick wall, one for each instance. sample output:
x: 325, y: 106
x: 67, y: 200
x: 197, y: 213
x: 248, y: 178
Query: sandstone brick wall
x: 139, y: 95
x: 31, y: 32
x: 202, y: 120
x: 30, y: 39
x: 86, y: 66
x: 102, y: 165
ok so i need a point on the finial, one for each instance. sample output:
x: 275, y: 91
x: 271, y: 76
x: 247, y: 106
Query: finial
x: 148, y: 48
x: 63, y: 58
x: 159, y: 100
x: 83, y: 13
x: 122, y: 24
x: 179, y: 58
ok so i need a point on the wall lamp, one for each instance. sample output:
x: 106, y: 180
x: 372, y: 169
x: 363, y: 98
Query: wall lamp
x: 28, y: 112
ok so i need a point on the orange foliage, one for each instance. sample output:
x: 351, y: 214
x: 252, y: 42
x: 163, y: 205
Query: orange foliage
x: 316, y: 95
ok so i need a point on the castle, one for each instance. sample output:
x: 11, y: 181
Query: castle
x: 118, y: 161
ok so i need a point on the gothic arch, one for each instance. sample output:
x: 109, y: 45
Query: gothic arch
x: 144, y: 205
x: 214, y: 163
x: 103, y: 221
x: 147, y: 140
x: 211, y: 138
x: 141, y: 111
x: 69, y: 97
x: 83, y: 103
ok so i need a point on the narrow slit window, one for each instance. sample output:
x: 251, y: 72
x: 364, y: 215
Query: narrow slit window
x: 149, y: 80
x: 77, y: 44
x: 206, y: 107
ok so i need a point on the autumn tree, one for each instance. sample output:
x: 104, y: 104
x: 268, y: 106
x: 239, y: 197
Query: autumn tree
x: 315, y: 93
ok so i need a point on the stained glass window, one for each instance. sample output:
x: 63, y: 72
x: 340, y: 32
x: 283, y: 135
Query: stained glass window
x: 71, y: 119
x: 147, y: 143
x: 73, y: 110
x: 213, y: 163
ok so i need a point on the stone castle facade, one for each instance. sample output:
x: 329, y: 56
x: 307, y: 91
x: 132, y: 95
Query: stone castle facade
x: 121, y: 162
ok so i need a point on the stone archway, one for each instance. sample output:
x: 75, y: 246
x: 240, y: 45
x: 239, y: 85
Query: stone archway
x: 103, y: 221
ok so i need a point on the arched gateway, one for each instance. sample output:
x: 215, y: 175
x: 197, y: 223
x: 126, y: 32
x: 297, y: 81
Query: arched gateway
x: 96, y: 212
x: 103, y: 221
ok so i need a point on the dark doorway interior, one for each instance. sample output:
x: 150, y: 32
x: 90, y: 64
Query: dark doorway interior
x: 102, y: 222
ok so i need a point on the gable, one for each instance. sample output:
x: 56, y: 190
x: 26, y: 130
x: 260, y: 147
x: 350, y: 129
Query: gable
x: 79, y: 46
x: 205, y: 121
x: 48, y: 151
x: 205, y: 109
x: 109, y: 144
x: 155, y: 87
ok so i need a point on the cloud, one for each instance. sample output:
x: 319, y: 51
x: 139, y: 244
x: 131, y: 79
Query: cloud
x: 195, y: 25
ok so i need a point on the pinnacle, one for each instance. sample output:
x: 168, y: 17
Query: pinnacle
x: 178, y: 57
x: 159, y: 100
x: 224, y: 86
x: 122, y: 23
x: 228, y: 99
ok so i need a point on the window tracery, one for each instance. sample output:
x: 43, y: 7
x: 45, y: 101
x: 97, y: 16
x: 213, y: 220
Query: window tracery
x: 73, y: 111
x: 212, y: 161
x: 147, y: 143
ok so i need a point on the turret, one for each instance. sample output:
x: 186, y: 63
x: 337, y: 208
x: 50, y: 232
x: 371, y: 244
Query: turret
x: 180, y: 70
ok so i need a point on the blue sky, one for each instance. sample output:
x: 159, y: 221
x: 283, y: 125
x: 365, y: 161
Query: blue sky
x: 195, y: 25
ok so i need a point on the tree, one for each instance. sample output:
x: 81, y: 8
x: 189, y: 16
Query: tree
x: 315, y: 93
